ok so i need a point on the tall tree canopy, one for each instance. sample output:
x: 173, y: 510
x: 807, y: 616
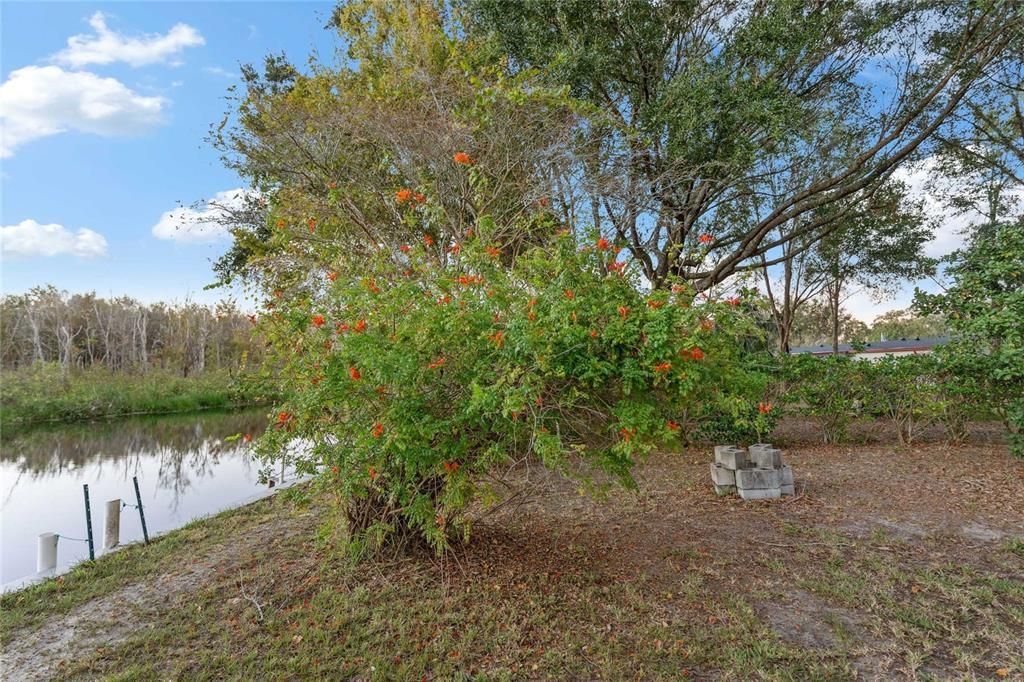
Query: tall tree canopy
x: 713, y: 122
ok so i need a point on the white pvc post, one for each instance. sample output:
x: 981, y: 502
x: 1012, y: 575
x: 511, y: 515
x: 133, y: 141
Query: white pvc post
x: 46, y: 557
x: 112, y: 526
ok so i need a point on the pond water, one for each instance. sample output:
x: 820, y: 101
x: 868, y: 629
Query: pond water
x: 186, y: 464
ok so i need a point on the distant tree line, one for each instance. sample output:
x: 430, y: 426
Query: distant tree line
x: 123, y: 334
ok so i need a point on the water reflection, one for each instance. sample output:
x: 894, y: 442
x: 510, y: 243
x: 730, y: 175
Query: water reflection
x: 188, y: 466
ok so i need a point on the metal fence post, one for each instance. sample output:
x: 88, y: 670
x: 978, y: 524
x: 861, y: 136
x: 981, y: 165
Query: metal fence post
x: 88, y: 522
x: 142, y: 514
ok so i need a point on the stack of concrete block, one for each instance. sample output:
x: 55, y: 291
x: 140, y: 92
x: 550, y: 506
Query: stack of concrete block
x: 757, y: 474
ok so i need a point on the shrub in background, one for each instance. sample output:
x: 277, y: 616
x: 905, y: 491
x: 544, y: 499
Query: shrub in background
x: 985, y: 308
x: 905, y: 390
x: 830, y: 389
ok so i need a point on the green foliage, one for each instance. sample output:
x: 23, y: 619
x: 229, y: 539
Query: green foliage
x: 904, y: 389
x: 830, y: 389
x: 416, y: 379
x: 725, y: 120
x: 43, y: 392
x: 985, y: 308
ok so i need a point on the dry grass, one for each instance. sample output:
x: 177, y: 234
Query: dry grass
x: 889, y: 564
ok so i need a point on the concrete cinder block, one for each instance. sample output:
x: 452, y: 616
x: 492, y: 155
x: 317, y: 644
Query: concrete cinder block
x: 760, y: 493
x: 787, y: 489
x: 719, y: 449
x: 763, y: 455
x: 723, y: 490
x: 787, y: 475
x: 731, y: 457
x: 722, y: 476
x: 758, y: 479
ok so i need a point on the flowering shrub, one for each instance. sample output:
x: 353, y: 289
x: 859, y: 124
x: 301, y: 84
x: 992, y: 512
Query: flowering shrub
x: 420, y: 375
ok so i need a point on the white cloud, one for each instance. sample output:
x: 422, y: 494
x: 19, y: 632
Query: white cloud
x: 201, y: 223
x: 218, y: 71
x: 39, y: 101
x: 950, y: 225
x: 106, y: 46
x: 29, y: 238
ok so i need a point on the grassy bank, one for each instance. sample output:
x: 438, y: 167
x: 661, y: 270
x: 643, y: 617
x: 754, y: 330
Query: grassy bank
x: 850, y: 580
x: 43, y: 393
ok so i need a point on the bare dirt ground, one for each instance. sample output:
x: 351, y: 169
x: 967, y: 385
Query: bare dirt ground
x: 889, y: 563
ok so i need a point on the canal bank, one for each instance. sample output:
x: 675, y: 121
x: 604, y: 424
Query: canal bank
x: 188, y: 467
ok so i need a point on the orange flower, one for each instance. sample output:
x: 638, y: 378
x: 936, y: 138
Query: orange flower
x: 735, y: 300
x: 705, y: 238
x: 444, y: 300
x: 378, y: 430
x: 678, y: 288
x: 437, y: 363
x: 462, y: 158
x: 623, y: 311
x: 569, y: 295
x: 671, y: 425
x: 663, y: 367
x: 696, y: 354
x: 707, y: 325
x: 280, y: 222
x: 312, y: 224
x: 627, y: 434
x: 617, y: 266
x: 493, y: 252
x: 602, y: 244
x: 354, y: 373
x: 455, y: 249
x: 332, y: 276
x: 593, y: 333
x: 247, y: 438
x: 451, y: 467
x: 373, y: 473
x: 318, y: 320
x: 428, y: 240
x: 404, y: 248
x: 498, y: 338
x: 284, y: 417
x: 341, y: 327
x: 532, y: 303
x: 371, y: 284
x: 654, y: 303
x: 531, y: 316
x: 403, y: 195
x: 419, y: 198
x: 764, y: 408
x: 360, y: 326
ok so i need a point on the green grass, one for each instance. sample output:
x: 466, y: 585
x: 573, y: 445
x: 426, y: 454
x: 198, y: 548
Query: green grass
x: 43, y: 393
x: 90, y: 580
x: 291, y: 605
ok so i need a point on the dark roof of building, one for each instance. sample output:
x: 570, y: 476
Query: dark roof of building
x: 904, y: 345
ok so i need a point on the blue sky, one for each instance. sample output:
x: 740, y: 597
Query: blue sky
x: 134, y: 96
